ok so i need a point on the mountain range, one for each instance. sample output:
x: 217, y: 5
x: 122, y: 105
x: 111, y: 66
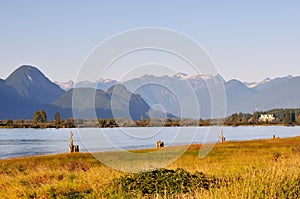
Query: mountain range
x: 174, y: 93
x: 24, y: 91
x: 27, y: 89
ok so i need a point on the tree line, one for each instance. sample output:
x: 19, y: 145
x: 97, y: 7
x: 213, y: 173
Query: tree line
x: 282, y: 117
x: 40, y: 120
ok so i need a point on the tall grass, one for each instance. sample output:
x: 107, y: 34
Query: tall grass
x: 249, y: 169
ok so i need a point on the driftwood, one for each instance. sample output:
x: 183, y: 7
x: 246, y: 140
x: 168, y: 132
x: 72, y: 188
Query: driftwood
x: 221, y: 137
x: 73, y: 148
x: 159, y: 144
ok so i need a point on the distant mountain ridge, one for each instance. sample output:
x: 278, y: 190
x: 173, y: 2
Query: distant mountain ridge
x: 282, y: 92
x: 33, y: 84
x: 113, y: 103
x: 24, y: 91
x: 27, y: 89
x: 103, y: 84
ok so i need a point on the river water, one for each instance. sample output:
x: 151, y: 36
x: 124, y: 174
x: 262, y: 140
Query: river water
x: 27, y: 142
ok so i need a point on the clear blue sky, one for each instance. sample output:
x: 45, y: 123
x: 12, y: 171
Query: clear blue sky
x: 248, y: 40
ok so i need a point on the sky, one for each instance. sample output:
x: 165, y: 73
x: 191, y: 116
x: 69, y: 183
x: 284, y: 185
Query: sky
x: 247, y: 40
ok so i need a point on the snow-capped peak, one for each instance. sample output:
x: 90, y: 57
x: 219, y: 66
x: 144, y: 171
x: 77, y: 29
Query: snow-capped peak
x: 250, y: 84
x: 254, y: 84
x: 188, y: 77
x: 181, y: 75
x: 65, y: 85
x: 204, y: 77
x: 102, y: 80
x: 265, y: 80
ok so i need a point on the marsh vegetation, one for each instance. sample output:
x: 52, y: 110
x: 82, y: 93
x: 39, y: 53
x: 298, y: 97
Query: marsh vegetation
x: 249, y: 169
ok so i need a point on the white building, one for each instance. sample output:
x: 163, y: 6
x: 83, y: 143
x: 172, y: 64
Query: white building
x: 266, y: 118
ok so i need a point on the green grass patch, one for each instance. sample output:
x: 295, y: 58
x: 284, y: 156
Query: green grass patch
x: 160, y: 182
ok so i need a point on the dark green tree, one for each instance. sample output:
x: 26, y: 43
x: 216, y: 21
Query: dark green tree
x: 287, y: 119
x: 293, y: 117
x: 244, y: 120
x: 235, y: 119
x: 69, y: 123
x: 39, y: 116
x: 102, y: 122
x: 57, y: 118
x: 10, y: 123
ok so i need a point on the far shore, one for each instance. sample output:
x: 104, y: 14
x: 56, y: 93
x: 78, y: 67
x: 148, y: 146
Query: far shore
x: 95, y: 126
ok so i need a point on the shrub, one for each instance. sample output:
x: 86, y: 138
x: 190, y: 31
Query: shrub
x: 163, y: 182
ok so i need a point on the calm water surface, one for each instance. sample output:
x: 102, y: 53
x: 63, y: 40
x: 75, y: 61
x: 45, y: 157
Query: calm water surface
x: 26, y: 142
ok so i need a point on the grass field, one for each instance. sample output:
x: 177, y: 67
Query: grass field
x: 249, y: 169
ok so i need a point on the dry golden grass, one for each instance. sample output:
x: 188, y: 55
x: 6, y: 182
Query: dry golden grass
x: 249, y: 169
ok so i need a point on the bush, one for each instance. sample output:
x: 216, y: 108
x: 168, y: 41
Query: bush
x: 163, y: 182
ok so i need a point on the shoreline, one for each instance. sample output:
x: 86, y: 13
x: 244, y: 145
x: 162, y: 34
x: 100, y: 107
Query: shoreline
x: 87, y: 127
x: 187, y: 146
x: 17, y: 143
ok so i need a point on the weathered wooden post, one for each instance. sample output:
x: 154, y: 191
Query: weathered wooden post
x: 221, y: 137
x: 72, y: 147
x: 71, y: 142
x: 159, y: 144
x: 76, y: 148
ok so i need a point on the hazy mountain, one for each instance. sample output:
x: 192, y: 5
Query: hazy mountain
x: 24, y: 91
x: 255, y: 84
x: 239, y: 97
x: 27, y: 90
x: 33, y: 84
x: 177, y: 93
x: 65, y: 100
x: 116, y: 102
x: 103, y: 84
x: 281, y: 92
x: 13, y: 105
x: 269, y: 83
